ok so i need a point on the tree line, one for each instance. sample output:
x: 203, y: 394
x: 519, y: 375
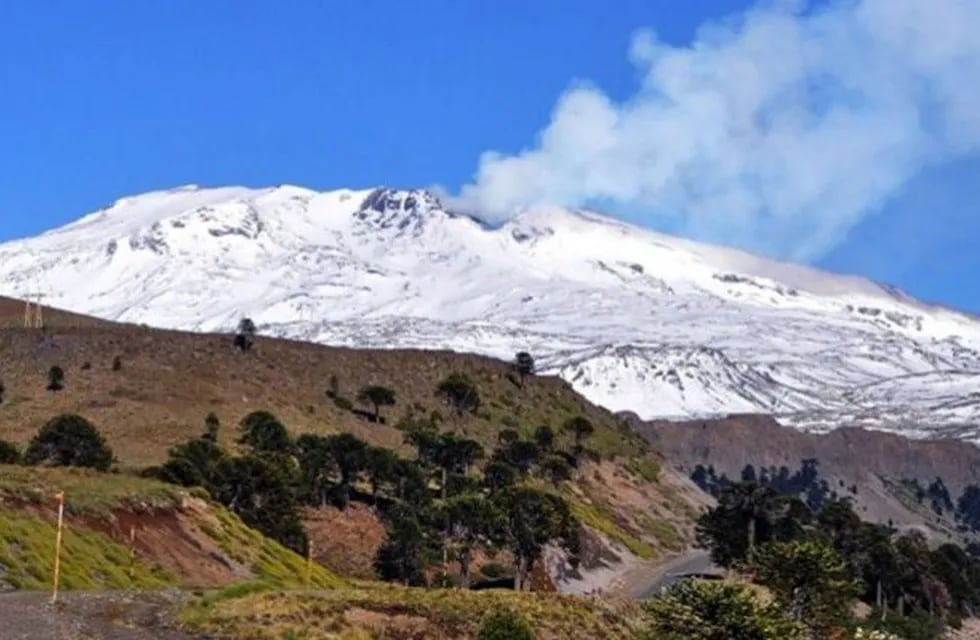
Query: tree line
x: 817, y: 562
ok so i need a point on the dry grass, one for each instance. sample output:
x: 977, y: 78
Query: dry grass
x: 397, y: 613
x: 169, y: 382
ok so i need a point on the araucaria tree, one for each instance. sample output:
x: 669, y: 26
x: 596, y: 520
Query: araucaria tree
x: 581, y: 429
x: 471, y: 522
x: 809, y: 580
x: 701, y: 610
x: 524, y: 365
x: 246, y: 335
x: 56, y: 378
x: 264, y: 433
x: 259, y: 492
x: 459, y: 392
x: 376, y: 397
x: 69, y: 441
x: 533, y: 519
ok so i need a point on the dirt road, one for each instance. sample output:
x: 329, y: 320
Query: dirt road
x: 647, y: 578
x: 101, y: 615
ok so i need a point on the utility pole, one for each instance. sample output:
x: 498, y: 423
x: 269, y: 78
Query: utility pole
x: 28, y: 312
x: 39, y: 311
x: 34, y: 310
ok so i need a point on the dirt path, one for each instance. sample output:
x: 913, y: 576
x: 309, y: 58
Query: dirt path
x: 646, y: 578
x: 100, y: 615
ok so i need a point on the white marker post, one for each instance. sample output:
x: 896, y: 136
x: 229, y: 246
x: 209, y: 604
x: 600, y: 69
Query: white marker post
x: 60, y: 496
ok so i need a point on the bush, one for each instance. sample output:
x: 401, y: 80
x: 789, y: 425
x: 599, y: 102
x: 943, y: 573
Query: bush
x: 504, y: 625
x: 9, y: 453
x: 493, y: 570
x: 69, y: 441
x: 56, y: 378
x: 701, y: 610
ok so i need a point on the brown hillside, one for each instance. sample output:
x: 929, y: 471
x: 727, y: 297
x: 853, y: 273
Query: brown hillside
x: 12, y: 316
x: 873, y: 461
x: 169, y: 381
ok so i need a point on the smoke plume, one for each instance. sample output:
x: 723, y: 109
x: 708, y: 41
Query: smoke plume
x: 776, y: 130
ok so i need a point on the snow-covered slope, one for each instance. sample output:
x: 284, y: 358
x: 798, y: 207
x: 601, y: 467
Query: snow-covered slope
x: 636, y: 320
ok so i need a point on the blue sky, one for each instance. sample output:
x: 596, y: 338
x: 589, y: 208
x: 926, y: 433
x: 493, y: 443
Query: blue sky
x: 108, y: 98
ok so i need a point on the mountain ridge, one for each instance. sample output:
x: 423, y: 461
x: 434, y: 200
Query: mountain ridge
x: 635, y: 319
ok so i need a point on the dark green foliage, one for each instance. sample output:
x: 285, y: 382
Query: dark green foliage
x: 498, y: 475
x: 259, y: 492
x: 556, y: 469
x: 211, y: 427
x: 810, y: 580
x: 117, y: 364
x: 69, y: 441
x: 580, y: 428
x: 405, y: 553
x: 246, y: 327
x: 9, y: 453
x: 377, y: 397
x: 56, y: 378
x: 697, y: 610
x: 918, y: 625
x: 544, y: 437
x: 471, y: 522
x: 749, y: 514
x: 968, y: 507
x: 263, y: 432
x: 524, y: 366
x: 519, y: 455
x: 939, y: 498
x: 384, y: 470
x: 193, y: 463
x: 459, y: 392
x: 804, y: 482
x: 507, y: 436
x: 503, y: 624
x: 317, y: 468
x: 532, y: 519
x: 349, y: 454
x: 245, y: 339
x: 913, y: 589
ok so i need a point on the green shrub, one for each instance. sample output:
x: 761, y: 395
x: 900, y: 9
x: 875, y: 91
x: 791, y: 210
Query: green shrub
x: 493, y: 570
x: 504, y: 625
x: 9, y: 453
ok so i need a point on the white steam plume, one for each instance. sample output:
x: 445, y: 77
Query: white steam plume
x: 776, y: 130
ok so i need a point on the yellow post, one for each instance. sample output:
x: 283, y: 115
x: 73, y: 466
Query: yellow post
x: 309, y: 562
x: 60, y: 496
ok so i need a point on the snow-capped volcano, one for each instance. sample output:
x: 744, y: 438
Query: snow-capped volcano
x: 636, y: 320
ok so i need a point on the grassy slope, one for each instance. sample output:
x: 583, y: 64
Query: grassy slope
x: 386, y: 611
x: 171, y: 380
x: 213, y: 545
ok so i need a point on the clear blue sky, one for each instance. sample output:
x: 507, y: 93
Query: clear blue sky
x: 106, y: 98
